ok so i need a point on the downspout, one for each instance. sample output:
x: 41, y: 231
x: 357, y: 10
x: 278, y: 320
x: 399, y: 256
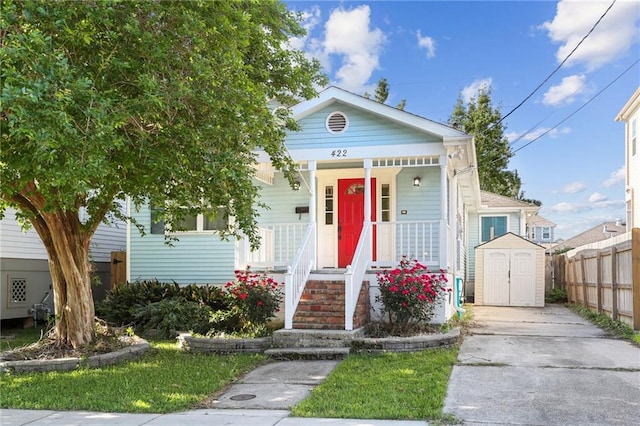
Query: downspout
x: 458, y: 297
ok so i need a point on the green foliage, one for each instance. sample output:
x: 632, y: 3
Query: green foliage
x: 164, y: 380
x: 166, y: 102
x: 410, y: 293
x: 122, y: 304
x: 382, y: 94
x: 493, y: 151
x: 176, y: 314
x: 556, y: 295
x: 256, y: 298
x: 617, y: 328
x: 149, y: 99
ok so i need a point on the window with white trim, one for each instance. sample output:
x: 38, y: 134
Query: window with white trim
x: 492, y: 227
x: 210, y: 221
x: 385, y: 200
x: 328, y: 205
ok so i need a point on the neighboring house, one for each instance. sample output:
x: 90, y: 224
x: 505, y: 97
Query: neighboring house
x: 496, y: 216
x: 375, y: 183
x: 25, y: 269
x: 630, y: 114
x: 600, y: 232
x: 540, y: 230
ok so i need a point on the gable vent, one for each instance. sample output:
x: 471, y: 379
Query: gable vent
x: 337, y: 122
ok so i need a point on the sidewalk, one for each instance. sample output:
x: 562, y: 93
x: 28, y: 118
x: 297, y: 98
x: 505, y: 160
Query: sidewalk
x: 191, y: 418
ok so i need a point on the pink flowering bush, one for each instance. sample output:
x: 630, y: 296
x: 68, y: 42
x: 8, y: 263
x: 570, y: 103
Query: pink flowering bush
x: 254, y: 299
x: 410, y: 293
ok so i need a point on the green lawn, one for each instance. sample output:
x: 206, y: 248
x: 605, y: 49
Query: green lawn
x: 164, y: 380
x: 386, y: 386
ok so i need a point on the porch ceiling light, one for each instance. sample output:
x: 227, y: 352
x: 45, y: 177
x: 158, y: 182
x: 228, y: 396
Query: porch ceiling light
x: 417, y: 180
x: 296, y: 185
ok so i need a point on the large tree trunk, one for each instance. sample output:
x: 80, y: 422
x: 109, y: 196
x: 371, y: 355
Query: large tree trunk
x: 71, y: 276
x: 68, y: 250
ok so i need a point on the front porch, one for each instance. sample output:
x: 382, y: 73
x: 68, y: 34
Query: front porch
x: 338, y: 298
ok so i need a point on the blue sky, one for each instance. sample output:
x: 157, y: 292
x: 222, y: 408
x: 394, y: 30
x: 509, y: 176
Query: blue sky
x: 431, y: 52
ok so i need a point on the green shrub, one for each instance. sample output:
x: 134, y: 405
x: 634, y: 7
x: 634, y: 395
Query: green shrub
x: 176, y: 314
x: 556, y: 295
x: 410, y: 293
x: 123, y: 303
x: 254, y: 299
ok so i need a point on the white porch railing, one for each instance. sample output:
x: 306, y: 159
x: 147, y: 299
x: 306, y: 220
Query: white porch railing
x: 355, y: 274
x: 297, y: 274
x: 279, y: 243
x: 415, y: 239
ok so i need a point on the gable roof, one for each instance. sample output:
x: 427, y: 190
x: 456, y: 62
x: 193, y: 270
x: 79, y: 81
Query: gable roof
x: 510, y: 235
x: 630, y: 107
x: 334, y: 94
x: 492, y: 200
x: 538, y: 220
x: 598, y: 233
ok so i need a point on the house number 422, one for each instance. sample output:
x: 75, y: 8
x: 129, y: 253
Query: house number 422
x: 339, y: 153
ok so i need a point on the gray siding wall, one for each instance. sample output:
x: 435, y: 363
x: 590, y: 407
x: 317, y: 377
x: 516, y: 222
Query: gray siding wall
x: 17, y: 244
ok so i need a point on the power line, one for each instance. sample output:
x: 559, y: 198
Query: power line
x: 560, y: 65
x: 577, y: 110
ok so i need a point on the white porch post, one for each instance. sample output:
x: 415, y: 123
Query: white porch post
x: 444, y: 237
x: 368, y: 164
x: 313, y: 217
x: 453, y: 215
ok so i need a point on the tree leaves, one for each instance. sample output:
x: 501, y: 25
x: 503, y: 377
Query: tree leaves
x: 493, y: 151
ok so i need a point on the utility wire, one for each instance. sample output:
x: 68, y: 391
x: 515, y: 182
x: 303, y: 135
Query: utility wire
x: 560, y: 65
x: 582, y: 106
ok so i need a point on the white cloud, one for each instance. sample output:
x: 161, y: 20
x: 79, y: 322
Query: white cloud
x: 348, y: 35
x: 471, y: 91
x: 583, y: 207
x: 428, y: 44
x: 514, y: 137
x: 597, y: 197
x: 566, y: 91
x: 615, y: 178
x: 573, y: 187
x: 612, y: 38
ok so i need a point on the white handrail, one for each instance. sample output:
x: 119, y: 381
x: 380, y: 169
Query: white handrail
x: 355, y: 274
x: 297, y: 274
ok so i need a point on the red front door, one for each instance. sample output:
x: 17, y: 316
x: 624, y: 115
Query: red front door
x: 351, y: 216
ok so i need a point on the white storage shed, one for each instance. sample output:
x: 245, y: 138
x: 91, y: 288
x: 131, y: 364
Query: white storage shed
x: 510, y: 272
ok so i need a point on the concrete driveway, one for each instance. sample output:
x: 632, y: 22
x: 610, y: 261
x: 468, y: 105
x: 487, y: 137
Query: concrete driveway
x: 543, y: 366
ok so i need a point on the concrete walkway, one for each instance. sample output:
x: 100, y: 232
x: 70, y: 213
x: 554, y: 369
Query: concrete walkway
x: 543, y: 366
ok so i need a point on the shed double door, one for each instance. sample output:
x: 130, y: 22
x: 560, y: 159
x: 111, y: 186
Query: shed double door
x: 509, y: 277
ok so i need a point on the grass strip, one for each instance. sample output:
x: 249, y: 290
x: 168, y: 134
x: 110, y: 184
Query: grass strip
x: 407, y: 386
x: 617, y: 328
x: 164, y: 380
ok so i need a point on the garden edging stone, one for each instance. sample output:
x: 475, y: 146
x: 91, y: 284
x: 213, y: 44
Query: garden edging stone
x: 131, y: 352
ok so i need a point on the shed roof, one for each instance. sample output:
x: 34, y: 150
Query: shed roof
x: 512, y: 236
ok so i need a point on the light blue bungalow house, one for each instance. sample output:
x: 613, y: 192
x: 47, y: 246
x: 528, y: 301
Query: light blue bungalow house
x: 375, y: 183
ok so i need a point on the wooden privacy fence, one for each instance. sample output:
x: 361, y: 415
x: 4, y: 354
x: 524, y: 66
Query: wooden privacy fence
x: 605, y: 277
